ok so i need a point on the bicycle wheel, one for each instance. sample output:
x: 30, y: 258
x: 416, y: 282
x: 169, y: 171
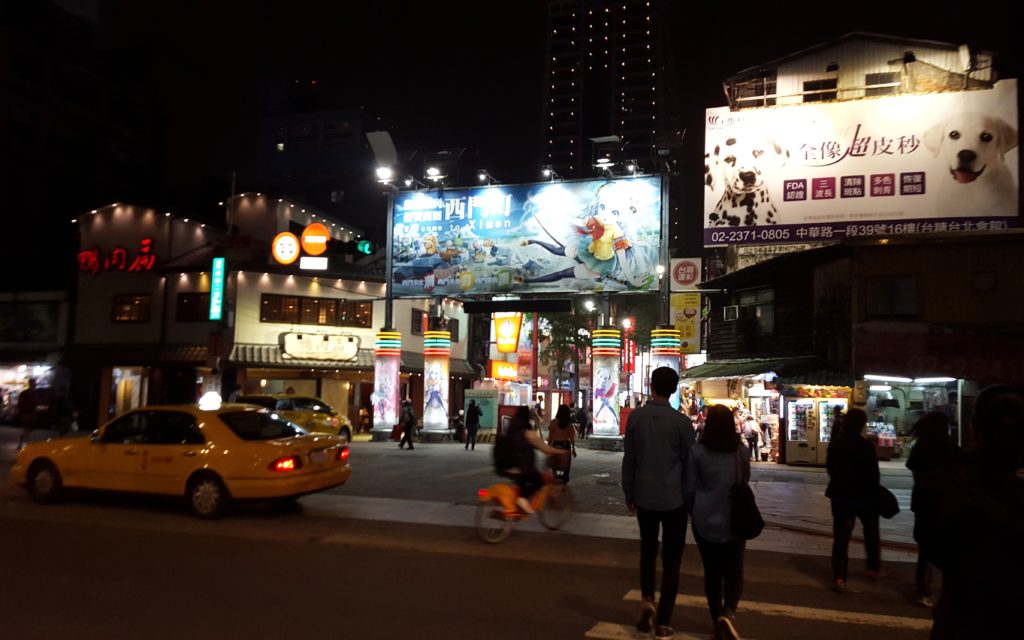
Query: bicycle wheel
x: 557, y: 508
x: 491, y: 523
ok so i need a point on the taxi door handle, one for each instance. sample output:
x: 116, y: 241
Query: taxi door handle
x: 189, y: 454
x: 131, y: 452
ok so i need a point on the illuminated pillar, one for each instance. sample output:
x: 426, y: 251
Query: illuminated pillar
x: 386, y: 380
x: 437, y: 351
x: 606, y: 351
x: 666, y: 349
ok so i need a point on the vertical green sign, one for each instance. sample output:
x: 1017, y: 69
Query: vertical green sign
x: 217, y: 289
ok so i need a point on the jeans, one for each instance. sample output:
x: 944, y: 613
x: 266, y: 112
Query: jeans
x: 844, y: 516
x: 723, y: 566
x: 673, y: 529
x: 471, y: 437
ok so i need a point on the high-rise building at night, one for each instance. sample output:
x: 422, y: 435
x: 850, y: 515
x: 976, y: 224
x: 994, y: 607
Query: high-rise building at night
x: 608, y: 72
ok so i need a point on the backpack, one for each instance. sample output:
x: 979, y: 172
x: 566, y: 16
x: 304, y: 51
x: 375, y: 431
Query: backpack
x: 504, y: 454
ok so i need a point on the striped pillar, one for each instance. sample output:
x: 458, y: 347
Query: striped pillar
x: 437, y: 351
x: 387, y: 357
x: 666, y: 351
x: 606, y: 351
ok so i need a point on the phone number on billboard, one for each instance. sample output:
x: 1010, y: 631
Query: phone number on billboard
x: 750, y: 235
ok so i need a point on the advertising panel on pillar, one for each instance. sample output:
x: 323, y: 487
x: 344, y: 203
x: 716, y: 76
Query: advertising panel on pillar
x: 573, y: 236
x: 607, y: 351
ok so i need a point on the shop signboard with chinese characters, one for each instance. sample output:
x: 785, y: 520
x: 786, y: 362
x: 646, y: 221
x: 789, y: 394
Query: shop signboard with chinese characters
x: 506, y: 331
x: 685, y: 274
x: 317, y: 346
x: 577, y: 236
x: 888, y: 166
x: 95, y: 260
x: 501, y: 370
x: 686, y: 317
x: 217, y: 289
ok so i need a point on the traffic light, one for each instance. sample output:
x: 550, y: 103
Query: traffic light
x: 365, y: 247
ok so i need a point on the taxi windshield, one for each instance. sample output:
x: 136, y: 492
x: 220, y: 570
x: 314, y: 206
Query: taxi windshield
x: 260, y: 425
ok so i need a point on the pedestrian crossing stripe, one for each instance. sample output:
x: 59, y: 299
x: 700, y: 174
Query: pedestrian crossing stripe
x: 613, y: 631
x: 807, y: 613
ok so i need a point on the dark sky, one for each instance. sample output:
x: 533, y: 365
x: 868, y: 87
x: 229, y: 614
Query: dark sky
x: 447, y: 74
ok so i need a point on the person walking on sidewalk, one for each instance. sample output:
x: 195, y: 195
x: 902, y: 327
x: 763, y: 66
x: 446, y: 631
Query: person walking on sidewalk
x: 853, y: 489
x: 932, y: 450
x: 971, y: 524
x: 657, y: 449
x: 408, y: 424
x: 27, y: 410
x: 562, y: 435
x: 710, y: 476
x: 473, y: 414
x: 752, y: 434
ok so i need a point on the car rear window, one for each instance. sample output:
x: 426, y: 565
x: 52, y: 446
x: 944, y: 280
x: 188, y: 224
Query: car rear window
x: 262, y: 401
x: 260, y: 425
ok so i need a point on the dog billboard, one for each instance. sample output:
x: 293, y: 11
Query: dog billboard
x: 578, y: 236
x: 878, y: 167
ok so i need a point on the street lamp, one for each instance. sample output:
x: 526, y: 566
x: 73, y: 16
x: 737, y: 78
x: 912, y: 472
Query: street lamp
x: 409, y: 181
x: 385, y: 174
x: 589, y: 305
x: 434, y: 174
x: 485, y: 176
x: 549, y: 172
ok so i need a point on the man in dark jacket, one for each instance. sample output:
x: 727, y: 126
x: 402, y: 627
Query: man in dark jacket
x: 473, y: 414
x: 971, y: 523
x: 657, y: 448
x: 408, y: 420
x: 853, y: 488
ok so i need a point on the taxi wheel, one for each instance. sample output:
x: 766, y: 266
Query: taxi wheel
x: 43, y: 482
x: 207, y: 496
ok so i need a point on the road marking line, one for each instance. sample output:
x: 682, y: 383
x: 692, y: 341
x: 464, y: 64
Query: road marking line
x: 612, y: 631
x: 809, y: 613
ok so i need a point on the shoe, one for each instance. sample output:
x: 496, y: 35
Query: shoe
x: 664, y: 632
x: 524, y: 505
x: 645, y: 617
x: 924, y: 601
x: 726, y: 628
x: 839, y: 585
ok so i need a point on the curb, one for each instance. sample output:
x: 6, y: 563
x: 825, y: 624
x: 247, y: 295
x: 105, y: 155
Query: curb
x: 900, y: 546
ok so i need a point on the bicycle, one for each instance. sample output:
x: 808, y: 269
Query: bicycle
x: 497, y: 513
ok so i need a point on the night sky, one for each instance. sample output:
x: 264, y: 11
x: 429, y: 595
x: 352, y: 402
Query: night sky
x: 447, y: 74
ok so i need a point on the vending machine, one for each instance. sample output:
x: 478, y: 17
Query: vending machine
x: 809, y: 423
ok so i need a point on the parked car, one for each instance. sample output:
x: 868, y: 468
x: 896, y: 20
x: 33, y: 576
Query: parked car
x: 310, y: 413
x: 209, y: 456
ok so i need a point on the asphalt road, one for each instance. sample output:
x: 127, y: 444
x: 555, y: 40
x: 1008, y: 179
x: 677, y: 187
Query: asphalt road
x: 114, y: 567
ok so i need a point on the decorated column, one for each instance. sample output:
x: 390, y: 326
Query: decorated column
x: 666, y: 350
x: 437, y: 350
x: 386, y: 380
x: 606, y: 351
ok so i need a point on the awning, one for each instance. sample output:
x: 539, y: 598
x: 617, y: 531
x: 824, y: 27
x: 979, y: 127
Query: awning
x: 818, y: 377
x: 748, y: 367
x: 413, y: 361
x: 271, y: 355
x: 183, y: 353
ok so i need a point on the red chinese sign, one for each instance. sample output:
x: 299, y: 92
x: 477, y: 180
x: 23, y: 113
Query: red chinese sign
x: 117, y: 259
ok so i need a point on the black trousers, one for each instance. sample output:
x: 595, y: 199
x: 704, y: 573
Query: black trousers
x: 923, y: 575
x: 407, y: 437
x: 471, y: 437
x: 844, y: 516
x: 673, y: 539
x: 529, y: 482
x: 723, y: 574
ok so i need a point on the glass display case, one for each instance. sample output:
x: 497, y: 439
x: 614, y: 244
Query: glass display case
x: 828, y: 411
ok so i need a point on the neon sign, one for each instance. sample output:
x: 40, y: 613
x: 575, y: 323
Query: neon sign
x: 217, y: 289
x: 118, y: 259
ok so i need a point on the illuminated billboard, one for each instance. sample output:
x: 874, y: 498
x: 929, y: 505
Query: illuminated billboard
x: 590, y: 235
x: 893, y: 165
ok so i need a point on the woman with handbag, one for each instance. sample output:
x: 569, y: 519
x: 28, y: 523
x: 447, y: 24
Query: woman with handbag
x: 854, y: 488
x: 562, y: 435
x: 717, y: 464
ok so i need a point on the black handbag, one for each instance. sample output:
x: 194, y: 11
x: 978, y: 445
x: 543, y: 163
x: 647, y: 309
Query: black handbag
x: 888, y: 507
x: 746, y: 522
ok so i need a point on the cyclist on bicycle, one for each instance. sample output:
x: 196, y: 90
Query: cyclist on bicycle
x: 518, y: 461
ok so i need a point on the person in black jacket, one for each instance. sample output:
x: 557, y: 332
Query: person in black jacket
x: 473, y: 414
x: 408, y: 417
x: 932, y: 450
x: 853, y: 489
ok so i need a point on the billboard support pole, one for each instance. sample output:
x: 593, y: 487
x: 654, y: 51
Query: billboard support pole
x: 663, y: 251
x: 388, y: 258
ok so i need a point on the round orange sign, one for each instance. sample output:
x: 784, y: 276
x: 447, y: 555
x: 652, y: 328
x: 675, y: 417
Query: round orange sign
x: 285, y: 248
x: 314, y: 239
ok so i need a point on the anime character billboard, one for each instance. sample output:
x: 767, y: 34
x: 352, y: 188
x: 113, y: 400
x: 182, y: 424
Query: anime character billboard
x: 435, y: 393
x: 591, y: 235
x: 606, y: 396
x: 385, y: 392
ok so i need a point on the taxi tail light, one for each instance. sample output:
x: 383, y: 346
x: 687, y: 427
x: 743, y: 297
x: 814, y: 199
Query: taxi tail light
x: 343, y: 454
x: 286, y: 464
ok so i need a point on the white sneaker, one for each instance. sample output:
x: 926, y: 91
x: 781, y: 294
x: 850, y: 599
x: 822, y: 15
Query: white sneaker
x: 524, y: 505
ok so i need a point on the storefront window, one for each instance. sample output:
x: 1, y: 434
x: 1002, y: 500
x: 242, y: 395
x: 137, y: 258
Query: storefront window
x: 131, y: 308
x: 758, y: 305
x: 193, y: 306
x: 315, y: 311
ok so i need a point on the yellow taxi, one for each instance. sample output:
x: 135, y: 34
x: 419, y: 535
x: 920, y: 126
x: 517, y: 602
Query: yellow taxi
x: 211, y: 455
x: 310, y: 413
